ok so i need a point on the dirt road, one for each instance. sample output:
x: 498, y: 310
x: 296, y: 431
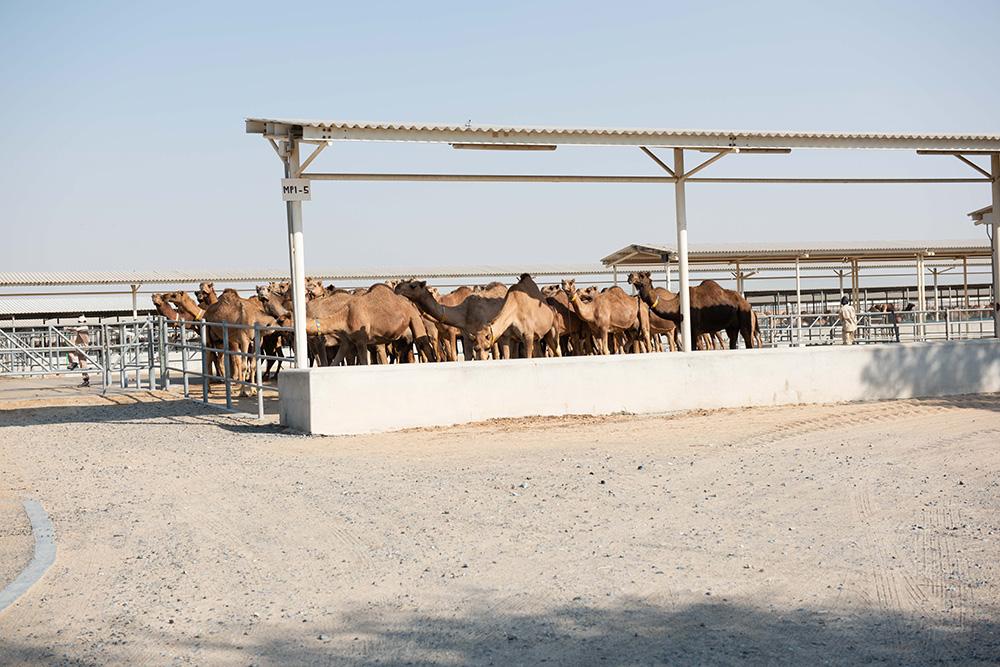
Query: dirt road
x: 812, y: 535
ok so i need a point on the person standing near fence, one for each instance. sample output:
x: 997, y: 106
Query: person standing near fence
x: 848, y: 321
x: 81, y: 338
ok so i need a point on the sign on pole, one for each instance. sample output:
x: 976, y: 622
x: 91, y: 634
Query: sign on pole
x: 295, y: 189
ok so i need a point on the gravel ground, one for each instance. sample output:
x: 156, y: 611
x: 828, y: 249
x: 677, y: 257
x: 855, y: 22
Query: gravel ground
x: 837, y: 534
x: 16, y: 541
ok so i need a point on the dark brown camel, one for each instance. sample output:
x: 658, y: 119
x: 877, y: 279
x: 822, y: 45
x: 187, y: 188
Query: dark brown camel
x: 713, y: 308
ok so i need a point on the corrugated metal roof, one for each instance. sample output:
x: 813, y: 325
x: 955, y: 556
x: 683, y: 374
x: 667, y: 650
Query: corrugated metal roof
x: 72, y: 304
x: 644, y: 253
x: 332, y: 130
x: 64, y: 278
x: 650, y: 251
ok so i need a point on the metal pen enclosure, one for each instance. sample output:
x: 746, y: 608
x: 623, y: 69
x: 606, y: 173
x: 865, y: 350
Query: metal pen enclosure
x: 287, y: 135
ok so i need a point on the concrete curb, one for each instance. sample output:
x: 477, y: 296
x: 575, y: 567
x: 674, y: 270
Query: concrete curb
x: 45, y: 555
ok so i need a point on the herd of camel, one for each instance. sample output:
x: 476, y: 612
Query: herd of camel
x: 407, y: 321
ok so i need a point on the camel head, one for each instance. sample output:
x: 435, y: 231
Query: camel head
x: 314, y: 288
x: 264, y: 292
x: 434, y: 291
x: 411, y: 289
x: 158, y: 300
x: 205, y: 293
x: 569, y: 286
x: 589, y: 293
x: 640, y: 277
x: 177, y: 298
x: 550, y: 290
x: 482, y: 342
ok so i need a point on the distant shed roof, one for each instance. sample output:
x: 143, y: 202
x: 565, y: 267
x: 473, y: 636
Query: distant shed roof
x: 334, y: 130
x: 649, y: 253
x: 982, y: 216
x: 87, y: 304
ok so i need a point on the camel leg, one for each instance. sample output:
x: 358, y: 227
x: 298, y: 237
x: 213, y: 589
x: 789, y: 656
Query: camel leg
x: 361, y: 345
x: 734, y: 338
x: 554, y: 343
x: 529, y: 345
x: 342, y: 351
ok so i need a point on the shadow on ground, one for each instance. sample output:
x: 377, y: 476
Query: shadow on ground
x: 937, y: 368
x: 177, y: 411
x: 636, y: 633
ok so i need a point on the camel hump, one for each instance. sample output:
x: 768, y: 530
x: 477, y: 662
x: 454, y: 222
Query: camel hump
x: 527, y: 285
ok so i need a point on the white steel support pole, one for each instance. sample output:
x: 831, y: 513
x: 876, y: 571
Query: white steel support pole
x: 995, y: 169
x: 840, y: 274
x: 937, y: 295
x: 135, y: 305
x: 798, y: 303
x: 614, y: 268
x: 667, y: 271
x: 296, y: 259
x: 682, y: 249
x: 965, y: 281
x: 855, y: 279
x: 921, y: 294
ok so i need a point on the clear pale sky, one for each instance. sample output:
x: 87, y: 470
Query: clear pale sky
x: 125, y: 148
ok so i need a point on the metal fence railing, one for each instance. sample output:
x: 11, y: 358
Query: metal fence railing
x: 233, y: 354
x: 113, y: 352
x: 146, y: 353
x: 877, y: 327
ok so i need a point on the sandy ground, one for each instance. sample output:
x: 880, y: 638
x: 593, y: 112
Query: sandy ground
x: 836, y: 534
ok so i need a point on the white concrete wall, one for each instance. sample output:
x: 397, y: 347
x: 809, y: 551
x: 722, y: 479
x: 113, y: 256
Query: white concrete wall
x: 352, y: 400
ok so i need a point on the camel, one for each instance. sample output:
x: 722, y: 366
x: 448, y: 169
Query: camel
x: 164, y: 308
x: 447, y: 334
x: 188, y: 310
x: 713, y: 308
x: 608, y: 312
x: 230, y: 308
x: 528, y: 314
x: 206, y: 294
x: 314, y: 288
x: 574, y: 334
x: 378, y: 316
x: 659, y: 326
x: 469, y: 315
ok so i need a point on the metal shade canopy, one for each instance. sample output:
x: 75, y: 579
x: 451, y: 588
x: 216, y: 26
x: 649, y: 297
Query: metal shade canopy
x: 886, y: 251
x: 287, y: 136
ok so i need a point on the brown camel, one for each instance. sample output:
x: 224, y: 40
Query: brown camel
x: 713, y: 308
x: 379, y: 316
x: 164, y: 308
x: 206, y: 294
x: 469, y: 315
x: 608, y: 312
x: 574, y: 334
x: 659, y: 326
x: 527, y: 313
x: 230, y: 308
x: 188, y: 310
x: 447, y: 335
